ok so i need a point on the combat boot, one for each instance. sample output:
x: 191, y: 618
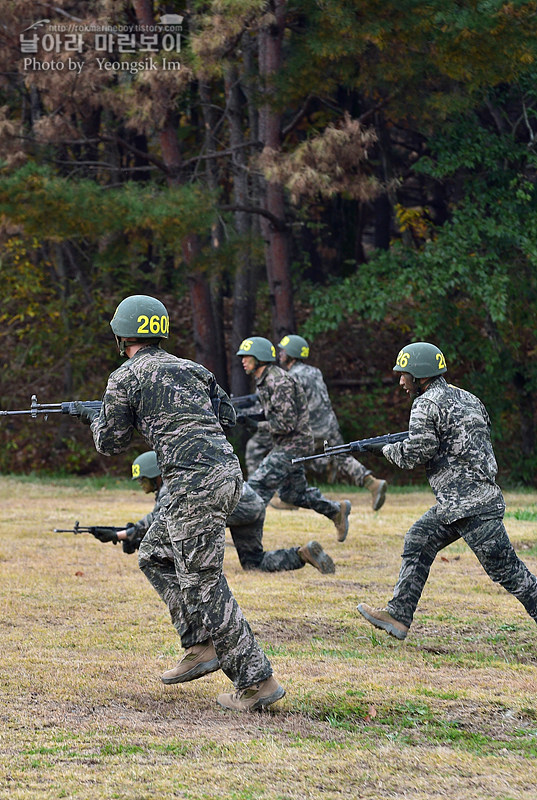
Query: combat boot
x: 281, y: 505
x: 341, y: 520
x: 197, y: 661
x: 377, y: 487
x: 381, y: 618
x: 253, y: 697
x: 313, y: 553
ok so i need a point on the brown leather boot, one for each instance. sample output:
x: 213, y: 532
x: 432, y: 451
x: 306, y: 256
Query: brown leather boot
x: 197, y: 661
x: 377, y: 487
x: 381, y: 618
x: 253, y: 697
x: 313, y: 553
x: 341, y: 520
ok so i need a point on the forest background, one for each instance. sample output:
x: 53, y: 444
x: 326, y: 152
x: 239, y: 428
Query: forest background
x: 360, y: 172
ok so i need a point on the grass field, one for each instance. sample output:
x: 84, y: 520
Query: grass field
x: 450, y: 712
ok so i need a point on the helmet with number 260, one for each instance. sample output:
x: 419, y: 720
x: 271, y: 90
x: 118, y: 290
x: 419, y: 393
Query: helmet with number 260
x: 258, y: 347
x: 421, y: 360
x: 141, y: 317
x: 295, y: 346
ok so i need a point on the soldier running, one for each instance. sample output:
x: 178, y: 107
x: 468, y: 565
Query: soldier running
x: 286, y: 411
x: 169, y: 401
x: 449, y: 432
x: 325, y: 427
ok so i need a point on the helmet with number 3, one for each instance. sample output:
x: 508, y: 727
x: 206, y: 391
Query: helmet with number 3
x: 295, y: 346
x: 421, y: 360
x: 258, y: 347
x: 145, y: 466
x: 141, y: 317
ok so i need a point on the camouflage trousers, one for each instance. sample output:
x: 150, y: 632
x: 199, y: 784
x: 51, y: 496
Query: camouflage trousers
x: 257, y: 447
x: 187, y: 574
x: 277, y: 473
x: 489, y: 541
x: 340, y: 469
x: 246, y: 526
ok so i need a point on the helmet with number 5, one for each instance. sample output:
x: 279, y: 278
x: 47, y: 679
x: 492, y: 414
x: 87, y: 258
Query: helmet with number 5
x: 421, y: 360
x: 258, y: 347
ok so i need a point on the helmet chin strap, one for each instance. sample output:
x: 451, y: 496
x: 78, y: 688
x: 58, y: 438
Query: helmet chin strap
x: 123, y: 343
x: 422, y: 387
x: 120, y: 345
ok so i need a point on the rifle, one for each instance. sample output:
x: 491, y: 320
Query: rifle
x: 104, y: 533
x: 245, y: 415
x: 354, y: 447
x: 53, y: 408
x: 245, y: 400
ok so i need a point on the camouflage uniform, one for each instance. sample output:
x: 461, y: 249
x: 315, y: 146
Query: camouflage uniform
x: 140, y: 528
x: 449, y: 432
x: 246, y: 526
x: 324, y: 426
x: 257, y: 447
x: 286, y: 411
x: 171, y: 402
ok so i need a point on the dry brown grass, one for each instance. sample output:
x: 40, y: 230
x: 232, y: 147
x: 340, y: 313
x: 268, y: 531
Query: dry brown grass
x: 450, y: 712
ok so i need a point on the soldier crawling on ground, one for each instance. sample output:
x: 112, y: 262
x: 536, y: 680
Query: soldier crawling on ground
x: 286, y: 411
x: 245, y: 524
x: 292, y: 352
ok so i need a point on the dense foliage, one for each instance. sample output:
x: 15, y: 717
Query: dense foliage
x: 334, y: 167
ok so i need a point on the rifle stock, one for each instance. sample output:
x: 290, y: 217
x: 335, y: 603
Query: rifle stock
x: 359, y: 446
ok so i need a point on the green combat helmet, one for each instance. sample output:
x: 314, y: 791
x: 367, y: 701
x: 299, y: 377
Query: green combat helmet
x: 145, y: 466
x: 140, y: 317
x: 259, y: 348
x: 295, y: 346
x: 421, y: 360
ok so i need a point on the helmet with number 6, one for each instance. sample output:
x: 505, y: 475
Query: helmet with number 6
x: 145, y: 466
x: 295, y: 346
x: 141, y: 317
x: 258, y: 347
x: 421, y: 360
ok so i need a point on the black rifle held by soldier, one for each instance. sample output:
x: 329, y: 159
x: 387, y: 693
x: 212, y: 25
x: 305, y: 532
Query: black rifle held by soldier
x: 69, y: 407
x: 360, y: 446
x: 104, y: 533
x: 73, y: 408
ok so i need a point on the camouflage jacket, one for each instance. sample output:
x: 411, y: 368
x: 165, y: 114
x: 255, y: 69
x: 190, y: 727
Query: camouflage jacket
x: 323, y: 421
x: 171, y: 402
x: 286, y: 411
x: 449, y: 432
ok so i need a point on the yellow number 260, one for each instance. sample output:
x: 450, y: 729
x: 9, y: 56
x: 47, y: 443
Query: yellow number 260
x: 158, y: 326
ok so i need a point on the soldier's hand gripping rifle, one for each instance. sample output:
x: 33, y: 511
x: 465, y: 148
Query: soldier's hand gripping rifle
x: 104, y: 533
x: 74, y: 407
x: 373, y: 445
x: 245, y: 400
x: 249, y: 411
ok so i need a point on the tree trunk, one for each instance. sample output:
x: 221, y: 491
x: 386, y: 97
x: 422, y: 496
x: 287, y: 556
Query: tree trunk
x: 275, y: 235
x: 200, y: 295
x: 245, y: 283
